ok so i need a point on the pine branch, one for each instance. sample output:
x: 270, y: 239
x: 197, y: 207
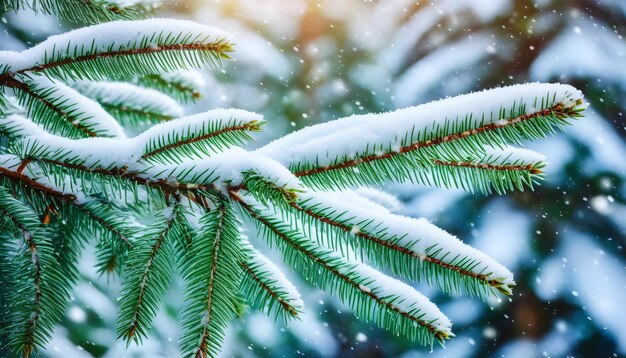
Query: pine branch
x: 140, y: 47
x: 184, y: 86
x: 38, y: 292
x: 498, y: 170
x: 83, y: 164
x: 149, y: 269
x: 75, y: 10
x: 13, y: 176
x: 267, y: 289
x: 410, y: 253
x: 134, y: 107
x: 60, y: 109
x: 404, y: 146
x: 27, y: 342
x: 402, y: 311
x: 416, y: 153
x: 16, y: 214
x: 4, y: 103
x: 191, y: 165
x: 411, y: 248
x: 213, y: 275
x: 80, y: 212
x: 199, y: 135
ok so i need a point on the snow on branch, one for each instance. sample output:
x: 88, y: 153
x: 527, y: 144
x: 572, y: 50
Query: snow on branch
x: 61, y: 109
x: 133, y: 106
x: 376, y: 148
x: 77, y: 11
x: 120, y: 50
x: 266, y: 287
x: 46, y: 194
x: 409, y: 247
x: 71, y: 160
x: 381, y: 299
x: 16, y: 126
x: 502, y: 170
x: 227, y: 169
x: 170, y: 142
x: 199, y: 135
x: 185, y: 86
x: 91, y: 165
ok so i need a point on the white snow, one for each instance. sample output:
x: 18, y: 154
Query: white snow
x: 262, y: 329
x: 21, y: 126
x: 413, y: 85
x: 410, y: 299
x: 92, y: 152
x: 92, y: 115
x: 192, y: 125
x: 418, y: 234
x: 127, y: 3
x: 114, y: 152
x: 504, y: 234
x: 9, y: 161
x: 384, y: 199
x: 255, y: 51
x: 603, y: 49
x: 314, y: 334
x: 605, y: 143
x: 188, y: 79
x: 226, y: 168
x: 512, y: 155
x: 130, y: 96
x: 288, y: 290
x: 598, y: 277
x: 323, y: 143
x: 114, y: 35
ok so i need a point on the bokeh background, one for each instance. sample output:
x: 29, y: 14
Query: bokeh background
x: 303, y: 62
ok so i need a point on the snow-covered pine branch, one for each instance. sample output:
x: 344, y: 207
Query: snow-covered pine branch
x: 266, y: 287
x: 389, y: 303
x: 421, y: 144
x: 76, y: 11
x: 411, y: 248
x: 62, y: 110
x: 119, y: 50
x: 184, y: 86
x: 135, y: 107
x: 172, y: 197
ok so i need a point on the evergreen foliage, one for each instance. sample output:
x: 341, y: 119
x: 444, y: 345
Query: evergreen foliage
x: 172, y: 199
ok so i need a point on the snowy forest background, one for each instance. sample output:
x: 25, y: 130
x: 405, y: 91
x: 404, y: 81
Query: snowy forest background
x: 303, y: 62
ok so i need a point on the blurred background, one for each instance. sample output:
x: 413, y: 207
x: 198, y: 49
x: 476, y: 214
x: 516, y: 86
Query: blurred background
x: 303, y: 62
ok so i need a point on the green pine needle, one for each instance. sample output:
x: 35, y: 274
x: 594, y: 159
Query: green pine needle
x: 147, y: 274
x: 79, y: 11
x: 415, y: 160
x: 330, y: 271
x: 213, y: 277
